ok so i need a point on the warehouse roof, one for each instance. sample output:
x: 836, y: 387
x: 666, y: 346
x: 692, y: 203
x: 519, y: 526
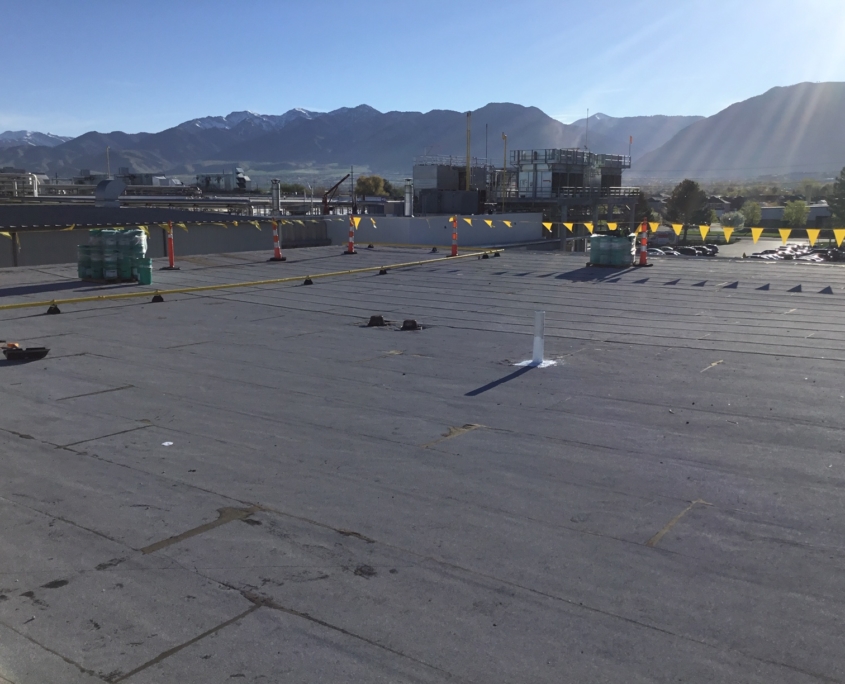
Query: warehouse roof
x: 247, y: 482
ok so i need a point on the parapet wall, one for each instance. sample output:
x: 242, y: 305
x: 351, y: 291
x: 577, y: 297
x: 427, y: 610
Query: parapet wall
x: 59, y: 247
x: 435, y: 230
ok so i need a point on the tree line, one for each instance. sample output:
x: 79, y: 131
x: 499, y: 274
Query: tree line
x: 688, y: 202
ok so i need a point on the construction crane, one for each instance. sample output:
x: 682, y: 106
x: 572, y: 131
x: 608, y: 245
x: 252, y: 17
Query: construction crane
x: 329, y: 194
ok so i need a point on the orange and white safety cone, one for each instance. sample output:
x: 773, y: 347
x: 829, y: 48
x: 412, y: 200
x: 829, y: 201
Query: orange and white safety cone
x: 350, y: 248
x: 277, y: 245
x: 643, y: 243
x: 454, y: 236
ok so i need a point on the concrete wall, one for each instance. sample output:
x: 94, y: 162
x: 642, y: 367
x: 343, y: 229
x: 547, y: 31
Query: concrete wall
x: 435, y: 230
x: 59, y: 247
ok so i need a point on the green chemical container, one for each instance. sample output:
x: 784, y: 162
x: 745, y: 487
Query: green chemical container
x: 125, y: 256
x: 110, y: 259
x: 125, y: 263
x: 594, y: 248
x: 605, y: 246
x: 624, y: 252
x: 96, y: 261
x: 109, y: 239
x: 612, y: 251
x: 83, y: 261
x: 138, y: 238
x: 144, y: 268
x: 95, y: 238
x: 617, y: 247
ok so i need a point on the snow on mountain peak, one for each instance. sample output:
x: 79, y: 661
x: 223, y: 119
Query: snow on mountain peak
x: 32, y: 138
x: 266, y: 121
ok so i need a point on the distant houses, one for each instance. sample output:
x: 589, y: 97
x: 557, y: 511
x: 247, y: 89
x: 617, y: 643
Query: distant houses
x: 772, y: 214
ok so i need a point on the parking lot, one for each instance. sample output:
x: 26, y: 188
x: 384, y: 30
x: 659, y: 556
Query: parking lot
x: 765, y: 248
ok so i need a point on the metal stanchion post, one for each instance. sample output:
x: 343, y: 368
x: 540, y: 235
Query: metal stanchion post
x: 171, y: 256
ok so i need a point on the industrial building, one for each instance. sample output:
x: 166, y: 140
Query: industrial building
x: 440, y: 185
x: 234, y: 180
x: 817, y: 215
x: 570, y: 185
x: 15, y: 183
x: 563, y: 174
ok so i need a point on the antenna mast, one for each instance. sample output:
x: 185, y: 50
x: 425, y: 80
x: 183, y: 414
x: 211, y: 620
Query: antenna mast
x: 587, y: 136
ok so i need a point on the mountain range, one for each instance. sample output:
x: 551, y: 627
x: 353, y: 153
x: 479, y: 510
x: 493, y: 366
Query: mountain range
x: 786, y: 130
x: 383, y: 142
x: 30, y: 139
x: 796, y: 128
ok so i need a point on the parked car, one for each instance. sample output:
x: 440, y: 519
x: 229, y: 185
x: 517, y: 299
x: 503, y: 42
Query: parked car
x: 687, y: 251
x: 654, y: 252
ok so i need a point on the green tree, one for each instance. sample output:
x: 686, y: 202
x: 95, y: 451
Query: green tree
x: 370, y: 186
x: 733, y: 219
x: 795, y: 214
x: 688, y: 205
x: 705, y: 216
x: 837, y: 197
x: 393, y: 191
x: 292, y: 188
x: 752, y: 213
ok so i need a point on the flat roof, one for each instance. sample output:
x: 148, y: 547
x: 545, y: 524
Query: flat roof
x: 253, y: 483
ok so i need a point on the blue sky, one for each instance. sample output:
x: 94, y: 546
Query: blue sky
x: 147, y: 65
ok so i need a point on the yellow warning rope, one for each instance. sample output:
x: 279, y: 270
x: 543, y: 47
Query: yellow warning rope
x: 230, y: 286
